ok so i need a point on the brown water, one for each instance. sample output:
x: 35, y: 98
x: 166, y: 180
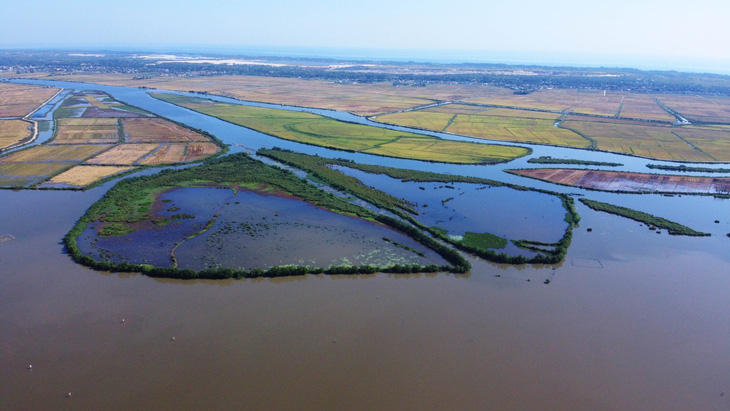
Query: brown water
x: 631, y: 320
x: 647, y: 330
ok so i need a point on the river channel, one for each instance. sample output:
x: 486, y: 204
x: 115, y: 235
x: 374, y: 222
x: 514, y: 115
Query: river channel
x: 630, y: 320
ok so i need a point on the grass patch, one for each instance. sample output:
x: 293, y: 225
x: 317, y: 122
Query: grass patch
x: 116, y: 230
x: 484, y: 240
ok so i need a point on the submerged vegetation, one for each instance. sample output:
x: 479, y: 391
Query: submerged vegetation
x: 642, y: 217
x: 130, y: 201
x: 321, y: 168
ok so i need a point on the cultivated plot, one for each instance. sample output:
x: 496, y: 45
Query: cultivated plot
x: 146, y: 130
x: 362, y: 99
x: 83, y: 175
x: 86, y: 131
x: 323, y: 131
x: 698, y: 109
x: 522, y: 126
x: 19, y: 100
x: 123, y: 154
x: 89, y: 129
x: 636, y: 138
x: 14, y: 132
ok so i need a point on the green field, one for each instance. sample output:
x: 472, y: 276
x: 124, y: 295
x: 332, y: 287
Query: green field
x: 326, y: 132
x: 522, y: 126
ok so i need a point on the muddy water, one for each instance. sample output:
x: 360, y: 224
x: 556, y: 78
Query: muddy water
x: 630, y: 320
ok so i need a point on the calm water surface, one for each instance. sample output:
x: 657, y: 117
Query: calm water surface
x: 630, y: 320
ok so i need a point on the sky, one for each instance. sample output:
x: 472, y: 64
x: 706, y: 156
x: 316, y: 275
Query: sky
x: 679, y: 32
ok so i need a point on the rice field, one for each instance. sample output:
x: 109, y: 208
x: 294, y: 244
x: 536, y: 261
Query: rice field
x: 643, y: 106
x: 169, y: 153
x: 13, y: 132
x: 629, y: 182
x: 86, y: 130
x: 322, y: 131
x: 54, y: 154
x: 713, y: 141
x: 19, y: 100
x: 96, y: 103
x: 123, y: 154
x: 592, y: 102
x: 83, y: 175
x: 636, y: 138
x: 491, y: 123
x: 154, y: 130
x: 362, y: 99
x: 698, y: 109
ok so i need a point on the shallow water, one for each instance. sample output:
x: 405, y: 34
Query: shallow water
x: 630, y: 320
x: 462, y: 207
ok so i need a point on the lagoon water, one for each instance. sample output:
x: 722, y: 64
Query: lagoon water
x: 631, y: 320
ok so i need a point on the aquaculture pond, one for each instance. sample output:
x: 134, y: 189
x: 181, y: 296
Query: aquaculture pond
x: 461, y: 208
x: 205, y: 227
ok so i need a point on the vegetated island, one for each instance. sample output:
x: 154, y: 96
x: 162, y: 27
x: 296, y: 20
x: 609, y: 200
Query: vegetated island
x: 688, y: 169
x: 320, y: 168
x: 129, y: 202
x: 550, y: 160
x: 322, y: 131
x: 642, y: 217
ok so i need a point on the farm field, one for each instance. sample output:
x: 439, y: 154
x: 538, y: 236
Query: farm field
x: 629, y: 182
x: 592, y: 102
x: 13, y: 132
x: 86, y: 130
x: 362, y: 99
x: 318, y: 130
x: 698, y: 109
x: 146, y: 130
x: 19, y: 100
x: 636, y: 138
x: 54, y: 154
x: 169, y: 153
x: 95, y: 104
x: 490, y: 123
x: 123, y: 154
x: 643, y: 106
x: 714, y: 141
x: 84, y: 175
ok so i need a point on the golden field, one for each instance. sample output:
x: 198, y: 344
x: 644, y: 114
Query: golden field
x: 13, y: 132
x: 19, y: 100
x: 84, y: 175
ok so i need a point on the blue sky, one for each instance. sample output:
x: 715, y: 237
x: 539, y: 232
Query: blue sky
x: 644, y: 29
